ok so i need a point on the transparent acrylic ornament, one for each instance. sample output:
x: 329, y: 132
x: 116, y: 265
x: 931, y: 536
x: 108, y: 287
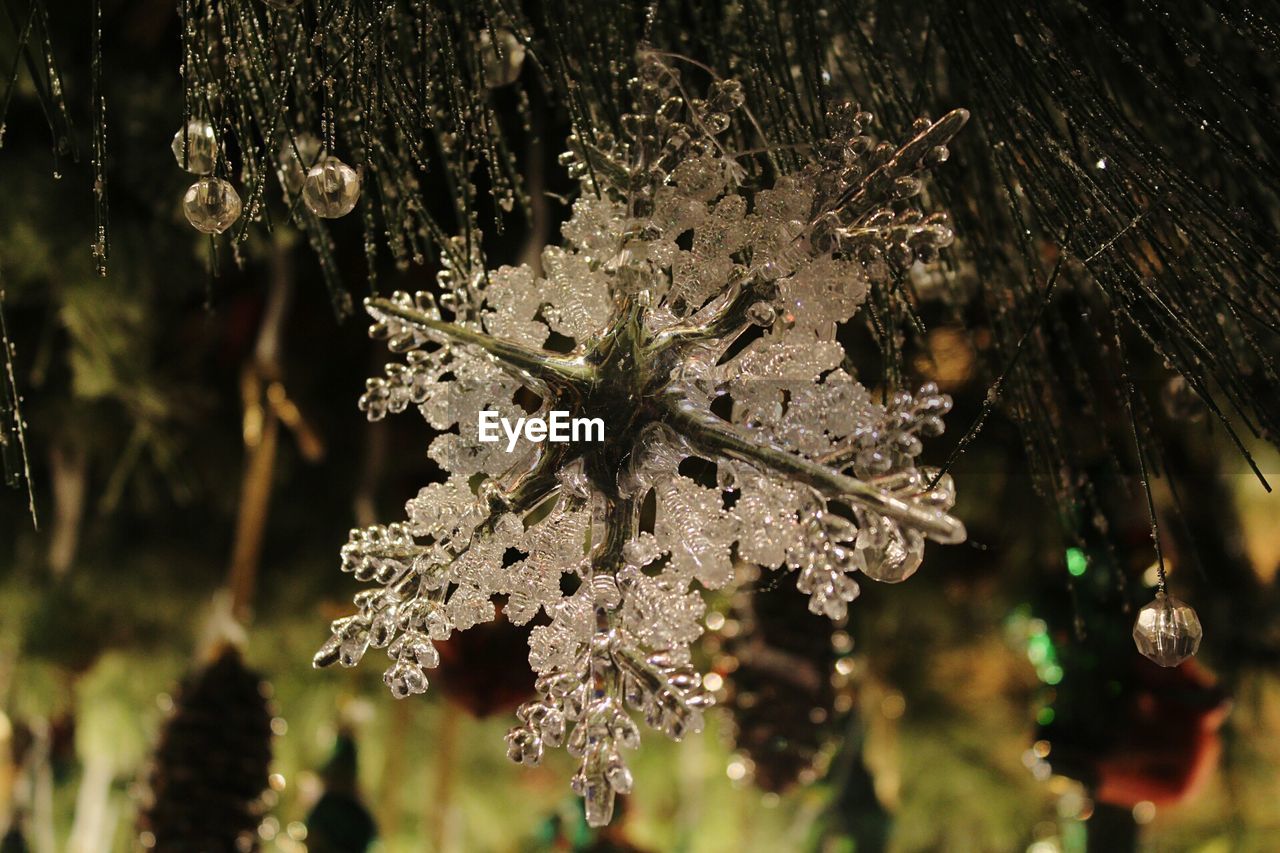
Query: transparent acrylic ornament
x: 201, y: 147
x: 1167, y: 630
x: 331, y: 188
x: 293, y: 171
x: 211, y: 205
x: 655, y: 329
x: 892, y: 555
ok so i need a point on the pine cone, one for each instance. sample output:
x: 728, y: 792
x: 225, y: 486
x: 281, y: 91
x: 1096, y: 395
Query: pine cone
x: 212, y: 763
x: 781, y: 694
x: 476, y: 671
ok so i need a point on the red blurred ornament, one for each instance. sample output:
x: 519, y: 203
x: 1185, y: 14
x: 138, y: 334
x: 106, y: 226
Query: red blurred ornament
x: 480, y: 668
x: 1166, y: 738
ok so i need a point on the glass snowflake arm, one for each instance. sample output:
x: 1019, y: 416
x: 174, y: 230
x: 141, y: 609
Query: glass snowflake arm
x: 406, y: 327
x: 593, y: 665
x: 422, y: 599
x: 717, y: 438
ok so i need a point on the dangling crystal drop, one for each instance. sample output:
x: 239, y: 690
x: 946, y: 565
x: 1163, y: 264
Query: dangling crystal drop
x: 598, y: 799
x: 331, y: 188
x: 1167, y: 630
x: 211, y: 205
x: 201, y: 147
x: 892, y: 554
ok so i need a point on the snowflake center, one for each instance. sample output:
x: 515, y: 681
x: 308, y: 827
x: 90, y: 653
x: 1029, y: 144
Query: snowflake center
x: 624, y: 388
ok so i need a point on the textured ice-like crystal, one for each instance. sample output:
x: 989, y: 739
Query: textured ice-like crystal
x: 331, y: 188
x: 195, y: 147
x: 696, y: 314
x: 211, y: 205
x: 1167, y: 630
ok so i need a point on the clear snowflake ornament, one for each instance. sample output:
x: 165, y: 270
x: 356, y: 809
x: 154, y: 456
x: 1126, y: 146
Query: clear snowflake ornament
x: 696, y: 316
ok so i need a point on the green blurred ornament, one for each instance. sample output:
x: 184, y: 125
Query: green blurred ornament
x: 339, y: 822
x: 13, y: 841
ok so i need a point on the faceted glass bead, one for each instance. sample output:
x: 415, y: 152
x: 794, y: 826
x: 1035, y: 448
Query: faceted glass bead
x: 331, y: 188
x: 292, y: 170
x: 211, y: 205
x: 201, y: 144
x: 892, y: 556
x: 1167, y: 631
x: 503, y: 59
x: 1181, y: 402
x: 717, y: 122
